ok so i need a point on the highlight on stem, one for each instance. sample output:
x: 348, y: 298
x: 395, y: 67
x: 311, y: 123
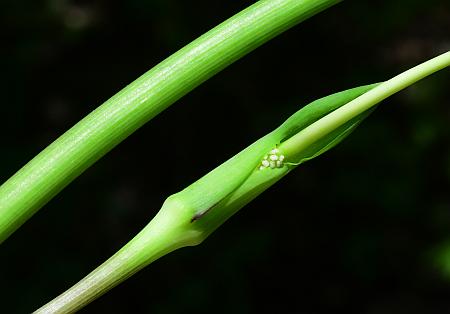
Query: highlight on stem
x: 188, y: 217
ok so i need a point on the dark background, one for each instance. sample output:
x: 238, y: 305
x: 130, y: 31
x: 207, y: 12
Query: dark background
x: 362, y: 229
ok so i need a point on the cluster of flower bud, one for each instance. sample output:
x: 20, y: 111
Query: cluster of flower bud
x: 273, y: 160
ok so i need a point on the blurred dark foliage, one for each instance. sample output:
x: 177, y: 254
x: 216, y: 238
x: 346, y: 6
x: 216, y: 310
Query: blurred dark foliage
x: 362, y: 229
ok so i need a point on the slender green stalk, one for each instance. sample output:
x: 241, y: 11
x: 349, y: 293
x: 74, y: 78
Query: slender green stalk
x: 66, y: 158
x: 317, y: 130
x: 165, y: 233
x: 180, y: 223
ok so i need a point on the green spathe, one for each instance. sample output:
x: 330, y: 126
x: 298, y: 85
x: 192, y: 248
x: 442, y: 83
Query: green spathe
x: 189, y: 216
x: 204, y: 195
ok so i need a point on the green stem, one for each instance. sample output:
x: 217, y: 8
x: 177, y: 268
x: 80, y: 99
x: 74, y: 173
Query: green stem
x: 76, y: 150
x: 173, y: 227
x: 168, y: 231
x: 311, y: 134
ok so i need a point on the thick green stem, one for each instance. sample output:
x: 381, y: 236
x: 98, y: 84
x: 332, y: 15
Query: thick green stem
x: 65, y: 159
x: 303, y: 139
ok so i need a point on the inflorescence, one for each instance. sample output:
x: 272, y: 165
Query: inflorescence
x: 273, y: 160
